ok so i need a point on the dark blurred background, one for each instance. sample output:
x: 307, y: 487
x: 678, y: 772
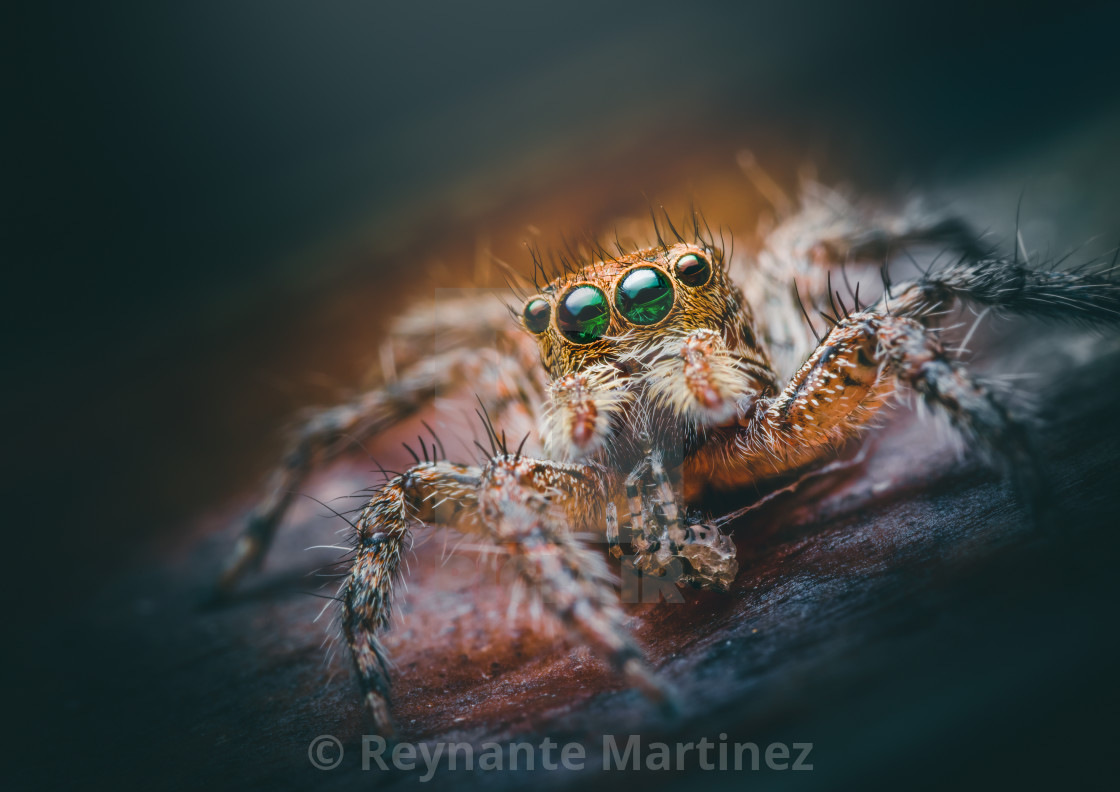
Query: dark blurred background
x: 171, y: 159
x: 188, y: 188
x: 176, y: 168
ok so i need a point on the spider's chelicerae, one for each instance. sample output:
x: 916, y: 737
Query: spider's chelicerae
x: 656, y: 375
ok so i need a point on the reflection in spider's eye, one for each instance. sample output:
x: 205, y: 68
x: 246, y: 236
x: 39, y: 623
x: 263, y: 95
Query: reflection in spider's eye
x: 582, y: 314
x: 693, y: 270
x: 644, y: 296
x: 536, y: 315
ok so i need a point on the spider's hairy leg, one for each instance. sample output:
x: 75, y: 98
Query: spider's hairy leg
x: 528, y: 506
x: 874, y: 236
x: 831, y: 395
x: 636, y: 503
x: 454, y: 323
x: 655, y: 522
x: 838, y: 387
x: 709, y: 554
x: 382, y: 535
x: 525, y: 506
x: 829, y: 229
x: 653, y: 553
x: 916, y: 358
x: 807, y: 259
x: 844, y: 382
x: 1087, y: 297
x: 501, y: 380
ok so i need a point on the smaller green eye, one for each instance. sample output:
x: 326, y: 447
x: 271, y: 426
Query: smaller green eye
x: 582, y: 314
x: 644, y: 296
x: 693, y: 270
x: 536, y: 315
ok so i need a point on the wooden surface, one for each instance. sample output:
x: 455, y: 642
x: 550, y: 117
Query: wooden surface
x: 930, y: 635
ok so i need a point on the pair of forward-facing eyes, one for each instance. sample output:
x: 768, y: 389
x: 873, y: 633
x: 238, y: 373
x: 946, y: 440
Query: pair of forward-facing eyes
x: 643, y: 295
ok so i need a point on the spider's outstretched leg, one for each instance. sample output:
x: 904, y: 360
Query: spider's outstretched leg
x: 842, y: 385
x: 829, y: 229
x: 844, y: 381
x: 524, y: 505
x: 498, y: 376
x: 807, y: 260
x: 1088, y: 298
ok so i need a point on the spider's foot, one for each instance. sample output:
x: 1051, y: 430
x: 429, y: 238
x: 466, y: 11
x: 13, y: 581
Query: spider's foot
x: 246, y: 556
x: 641, y: 676
x: 378, y: 707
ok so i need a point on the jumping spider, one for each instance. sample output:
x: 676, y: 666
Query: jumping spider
x: 658, y: 375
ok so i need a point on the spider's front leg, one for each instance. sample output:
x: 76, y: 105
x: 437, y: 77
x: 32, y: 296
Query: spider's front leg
x: 808, y: 258
x: 501, y: 376
x: 522, y: 504
x: 840, y: 387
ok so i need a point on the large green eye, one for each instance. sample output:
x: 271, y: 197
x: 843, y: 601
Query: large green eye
x: 536, y: 315
x: 693, y: 270
x: 582, y: 314
x: 644, y: 296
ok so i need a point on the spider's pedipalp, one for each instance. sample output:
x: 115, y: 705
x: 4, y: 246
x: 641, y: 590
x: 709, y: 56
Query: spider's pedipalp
x: 576, y: 421
x: 697, y: 378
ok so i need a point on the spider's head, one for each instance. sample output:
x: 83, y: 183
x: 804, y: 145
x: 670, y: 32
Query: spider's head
x: 657, y: 335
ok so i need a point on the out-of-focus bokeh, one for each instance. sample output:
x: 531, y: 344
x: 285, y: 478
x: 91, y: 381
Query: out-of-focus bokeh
x: 212, y: 208
x: 182, y: 173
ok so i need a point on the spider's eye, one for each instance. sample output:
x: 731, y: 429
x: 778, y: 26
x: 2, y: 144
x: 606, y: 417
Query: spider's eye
x: 644, y: 296
x: 582, y: 314
x: 693, y: 270
x: 536, y: 315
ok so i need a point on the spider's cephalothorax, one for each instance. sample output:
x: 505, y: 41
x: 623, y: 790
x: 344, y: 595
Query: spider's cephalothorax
x: 646, y: 352
x: 652, y: 382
